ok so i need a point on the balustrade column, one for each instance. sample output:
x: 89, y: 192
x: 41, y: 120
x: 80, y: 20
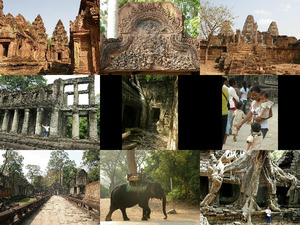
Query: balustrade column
x: 75, y: 125
x: 25, y: 121
x: 38, y: 122
x: 93, y: 134
x: 5, y: 121
x: 54, y: 122
x: 15, y: 123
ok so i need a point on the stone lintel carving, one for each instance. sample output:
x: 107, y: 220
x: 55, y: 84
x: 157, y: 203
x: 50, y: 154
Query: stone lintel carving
x: 151, y: 38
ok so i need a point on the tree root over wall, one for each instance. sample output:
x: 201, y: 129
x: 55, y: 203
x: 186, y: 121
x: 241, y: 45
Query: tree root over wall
x: 249, y: 167
x: 136, y: 138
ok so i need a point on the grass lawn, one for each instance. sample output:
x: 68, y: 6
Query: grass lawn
x: 24, y: 201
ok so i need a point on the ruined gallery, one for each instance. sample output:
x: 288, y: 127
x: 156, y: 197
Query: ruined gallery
x: 25, y: 50
x: 151, y: 40
x: 149, y: 113
x: 254, y: 52
x: 236, y: 187
x: 23, y: 112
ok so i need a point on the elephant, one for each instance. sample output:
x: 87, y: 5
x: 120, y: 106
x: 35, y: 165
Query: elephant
x: 120, y: 199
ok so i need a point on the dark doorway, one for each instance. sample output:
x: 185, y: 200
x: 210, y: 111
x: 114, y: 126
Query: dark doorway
x: 155, y: 114
x: 130, y: 117
x: 204, y: 189
x: 281, y: 192
x: 59, y: 56
x: 5, y: 49
x: 229, y: 193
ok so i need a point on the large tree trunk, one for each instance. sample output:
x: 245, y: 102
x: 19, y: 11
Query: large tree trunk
x: 206, y: 55
x: 131, y: 161
x: 145, y: 108
x: 173, y: 130
x: 112, y: 19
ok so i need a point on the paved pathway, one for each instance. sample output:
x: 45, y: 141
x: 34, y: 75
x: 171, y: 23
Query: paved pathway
x: 149, y: 223
x: 57, y: 211
x: 270, y: 142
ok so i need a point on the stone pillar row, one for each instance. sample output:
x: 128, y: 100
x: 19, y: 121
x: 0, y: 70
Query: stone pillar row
x: 54, y: 131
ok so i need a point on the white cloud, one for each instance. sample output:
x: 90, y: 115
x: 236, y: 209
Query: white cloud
x: 261, y: 12
x: 264, y: 22
x: 287, y: 7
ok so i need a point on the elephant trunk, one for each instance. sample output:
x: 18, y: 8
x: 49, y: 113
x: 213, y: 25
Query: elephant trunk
x: 164, y: 202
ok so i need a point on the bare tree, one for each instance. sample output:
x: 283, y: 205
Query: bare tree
x: 212, y: 20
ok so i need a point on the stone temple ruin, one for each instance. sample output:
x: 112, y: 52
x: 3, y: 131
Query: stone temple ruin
x: 156, y: 117
x: 225, y: 209
x: 24, y: 49
x: 80, y: 188
x: 253, y: 52
x: 23, y: 112
x: 85, y: 38
x: 151, y: 40
x: 78, y: 183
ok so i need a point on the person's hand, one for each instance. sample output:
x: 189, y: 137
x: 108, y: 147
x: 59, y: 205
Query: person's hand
x: 238, y: 127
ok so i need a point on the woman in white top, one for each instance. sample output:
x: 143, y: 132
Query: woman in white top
x: 254, y: 112
x: 244, y: 94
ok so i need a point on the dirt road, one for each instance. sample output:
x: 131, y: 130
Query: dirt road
x: 184, y: 212
x: 58, y: 211
x: 209, y: 68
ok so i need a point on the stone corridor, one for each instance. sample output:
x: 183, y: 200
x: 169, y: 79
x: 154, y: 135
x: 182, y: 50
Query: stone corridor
x: 59, y: 211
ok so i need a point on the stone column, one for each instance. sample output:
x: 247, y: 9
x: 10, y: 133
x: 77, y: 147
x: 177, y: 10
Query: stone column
x: 92, y: 91
x: 54, y: 122
x: 76, y: 95
x: 93, y: 134
x: 5, y: 121
x: 76, y: 53
x: 75, y: 125
x: 38, y: 122
x: 25, y: 121
x: 15, y: 123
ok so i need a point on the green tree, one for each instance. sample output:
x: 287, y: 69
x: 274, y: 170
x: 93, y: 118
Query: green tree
x: 12, y: 164
x: 59, y: 166
x: 212, y: 20
x: 182, y: 166
x: 33, y: 171
x: 39, y: 181
x: 113, y: 167
x: 91, y: 159
x: 20, y: 82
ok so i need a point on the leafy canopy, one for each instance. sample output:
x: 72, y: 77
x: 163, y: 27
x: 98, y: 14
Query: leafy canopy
x: 20, y: 82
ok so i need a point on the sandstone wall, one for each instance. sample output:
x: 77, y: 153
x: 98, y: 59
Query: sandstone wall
x: 92, y: 191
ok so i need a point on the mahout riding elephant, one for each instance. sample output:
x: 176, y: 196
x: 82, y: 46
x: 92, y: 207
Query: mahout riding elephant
x: 120, y: 199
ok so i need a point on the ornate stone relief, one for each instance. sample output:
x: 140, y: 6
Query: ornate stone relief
x: 151, y: 38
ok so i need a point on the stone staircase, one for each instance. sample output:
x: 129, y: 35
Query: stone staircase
x: 244, y: 60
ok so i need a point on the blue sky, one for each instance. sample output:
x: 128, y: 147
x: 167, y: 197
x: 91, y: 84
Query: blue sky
x: 50, y: 10
x: 284, y: 12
